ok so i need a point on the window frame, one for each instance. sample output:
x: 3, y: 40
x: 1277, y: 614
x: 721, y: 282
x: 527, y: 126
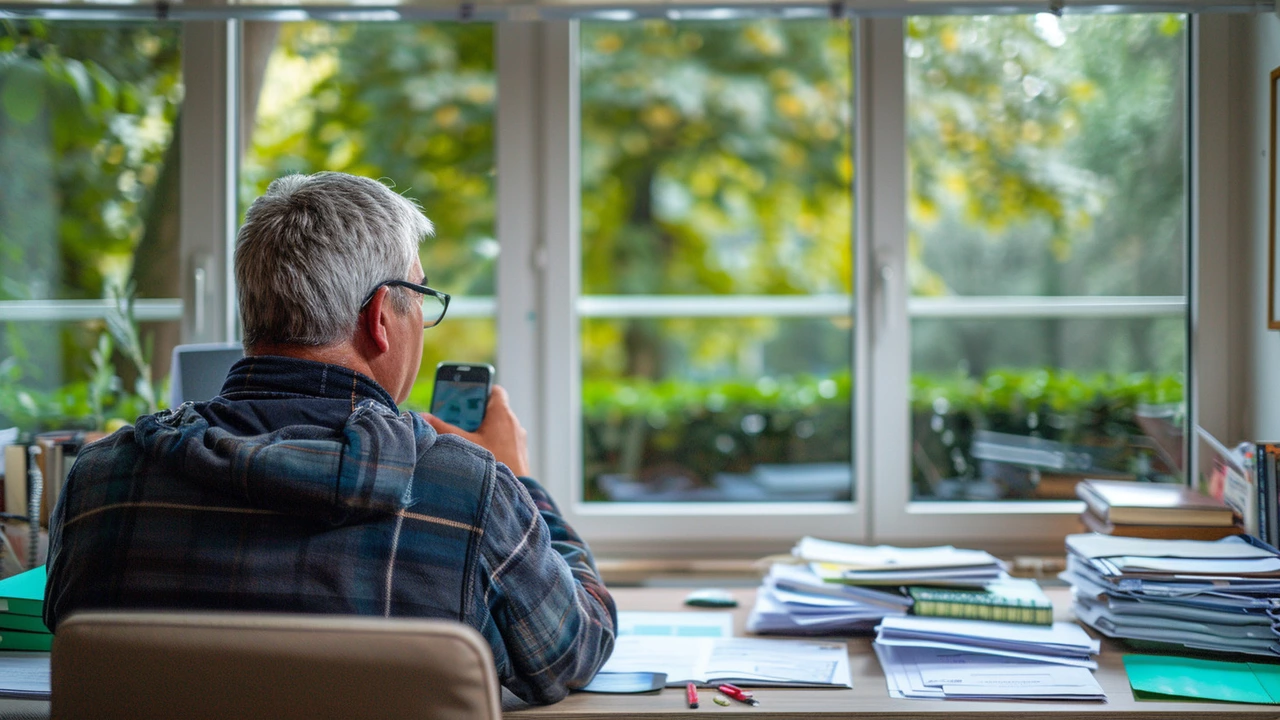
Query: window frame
x: 882, y: 510
x: 539, y: 282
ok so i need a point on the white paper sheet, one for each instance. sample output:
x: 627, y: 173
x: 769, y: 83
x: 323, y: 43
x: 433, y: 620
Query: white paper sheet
x: 743, y: 661
x: 24, y: 675
x: 888, y: 557
x: 1071, y: 660
x: 1063, y: 635
x: 675, y: 624
x: 1091, y: 545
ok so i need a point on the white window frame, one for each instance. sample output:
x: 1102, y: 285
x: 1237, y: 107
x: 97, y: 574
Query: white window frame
x: 539, y: 310
x: 882, y: 510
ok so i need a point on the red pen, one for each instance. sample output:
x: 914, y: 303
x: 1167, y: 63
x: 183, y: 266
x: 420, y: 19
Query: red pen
x: 691, y: 694
x: 738, y: 694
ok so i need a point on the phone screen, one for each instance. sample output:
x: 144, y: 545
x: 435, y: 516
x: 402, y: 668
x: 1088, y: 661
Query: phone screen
x: 460, y: 395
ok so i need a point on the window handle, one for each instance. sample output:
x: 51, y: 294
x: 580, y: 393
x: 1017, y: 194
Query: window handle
x: 887, y: 288
x: 198, y: 278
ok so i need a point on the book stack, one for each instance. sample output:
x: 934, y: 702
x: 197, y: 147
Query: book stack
x: 1154, y: 510
x: 21, y: 612
x: 1196, y: 594
x: 54, y: 458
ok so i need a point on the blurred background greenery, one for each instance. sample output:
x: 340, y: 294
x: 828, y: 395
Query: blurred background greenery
x: 1045, y: 156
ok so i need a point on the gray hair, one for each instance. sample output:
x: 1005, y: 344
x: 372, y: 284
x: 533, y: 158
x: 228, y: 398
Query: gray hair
x: 313, y: 247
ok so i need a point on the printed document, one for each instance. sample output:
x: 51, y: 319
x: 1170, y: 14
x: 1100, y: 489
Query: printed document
x: 743, y: 661
x: 931, y: 673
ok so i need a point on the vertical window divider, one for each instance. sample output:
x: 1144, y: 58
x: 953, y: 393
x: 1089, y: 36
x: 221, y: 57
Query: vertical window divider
x: 863, y: 337
x: 558, y: 162
x: 883, y: 168
x: 1214, y: 394
x: 518, y: 317
x: 207, y: 199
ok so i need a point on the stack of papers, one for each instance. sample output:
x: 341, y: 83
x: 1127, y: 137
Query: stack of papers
x: 936, y: 658
x: 794, y: 601
x: 1204, y: 595
x: 24, y: 675
x: 933, y: 674
x: 888, y: 565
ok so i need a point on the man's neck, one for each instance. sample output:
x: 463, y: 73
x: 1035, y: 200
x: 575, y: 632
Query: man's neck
x: 337, y: 354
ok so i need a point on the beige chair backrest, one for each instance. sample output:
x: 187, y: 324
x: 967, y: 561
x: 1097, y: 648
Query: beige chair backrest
x: 144, y: 665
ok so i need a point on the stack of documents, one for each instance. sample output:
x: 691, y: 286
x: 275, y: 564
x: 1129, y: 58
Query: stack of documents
x: 888, y: 565
x: 936, y: 658
x: 836, y: 588
x: 794, y: 601
x: 1204, y: 595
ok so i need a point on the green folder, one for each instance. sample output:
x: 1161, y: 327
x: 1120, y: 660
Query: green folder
x: 18, y: 640
x: 25, y: 623
x: 23, y: 594
x: 1160, y: 677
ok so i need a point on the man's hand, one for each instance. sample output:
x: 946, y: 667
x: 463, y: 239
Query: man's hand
x: 500, y: 433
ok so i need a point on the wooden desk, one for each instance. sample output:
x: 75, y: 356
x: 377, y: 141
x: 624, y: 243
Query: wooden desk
x: 869, y: 698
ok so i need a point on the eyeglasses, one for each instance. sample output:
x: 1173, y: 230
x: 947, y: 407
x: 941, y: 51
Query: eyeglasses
x: 434, y: 302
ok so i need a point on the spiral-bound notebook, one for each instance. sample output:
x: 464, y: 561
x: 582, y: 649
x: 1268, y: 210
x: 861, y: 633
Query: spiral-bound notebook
x: 1014, y: 600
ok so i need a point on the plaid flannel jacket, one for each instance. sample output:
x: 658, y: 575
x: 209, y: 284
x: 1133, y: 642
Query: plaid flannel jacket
x: 303, y: 489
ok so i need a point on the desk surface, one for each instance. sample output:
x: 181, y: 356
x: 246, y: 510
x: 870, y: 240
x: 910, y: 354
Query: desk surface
x: 869, y: 697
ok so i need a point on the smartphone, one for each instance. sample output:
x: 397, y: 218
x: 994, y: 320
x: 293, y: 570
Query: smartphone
x: 461, y: 393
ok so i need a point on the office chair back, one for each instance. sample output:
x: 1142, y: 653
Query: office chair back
x: 197, y: 666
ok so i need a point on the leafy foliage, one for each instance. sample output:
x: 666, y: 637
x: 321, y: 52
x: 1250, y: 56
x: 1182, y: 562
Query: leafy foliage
x: 1045, y: 158
x: 412, y: 104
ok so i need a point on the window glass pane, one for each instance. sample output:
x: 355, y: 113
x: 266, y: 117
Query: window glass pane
x: 716, y: 168
x: 412, y: 104
x: 88, y: 209
x: 1047, y: 162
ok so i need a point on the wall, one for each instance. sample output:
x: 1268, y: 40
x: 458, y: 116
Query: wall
x: 1260, y: 41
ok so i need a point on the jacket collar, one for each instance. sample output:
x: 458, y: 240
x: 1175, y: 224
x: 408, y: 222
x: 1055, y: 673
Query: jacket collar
x: 262, y: 376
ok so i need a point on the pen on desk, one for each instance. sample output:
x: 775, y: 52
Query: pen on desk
x: 738, y: 694
x: 691, y: 694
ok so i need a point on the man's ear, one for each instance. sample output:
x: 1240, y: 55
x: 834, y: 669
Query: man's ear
x: 374, y: 319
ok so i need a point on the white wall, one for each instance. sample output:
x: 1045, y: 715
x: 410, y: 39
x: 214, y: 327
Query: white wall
x: 1260, y: 41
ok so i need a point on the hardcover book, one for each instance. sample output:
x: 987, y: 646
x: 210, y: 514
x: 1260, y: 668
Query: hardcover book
x: 1157, y: 532
x: 1140, y: 503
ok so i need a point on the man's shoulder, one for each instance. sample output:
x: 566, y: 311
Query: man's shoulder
x: 448, y: 456
x: 119, y: 446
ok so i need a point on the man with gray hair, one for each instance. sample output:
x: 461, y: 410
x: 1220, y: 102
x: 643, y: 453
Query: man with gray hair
x: 303, y: 488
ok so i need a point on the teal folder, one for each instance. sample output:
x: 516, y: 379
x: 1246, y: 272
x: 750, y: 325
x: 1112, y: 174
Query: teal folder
x: 1155, y: 677
x: 23, y: 594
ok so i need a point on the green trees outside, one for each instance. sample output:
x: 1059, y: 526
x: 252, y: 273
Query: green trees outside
x: 411, y: 103
x: 1045, y: 157
x: 87, y: 113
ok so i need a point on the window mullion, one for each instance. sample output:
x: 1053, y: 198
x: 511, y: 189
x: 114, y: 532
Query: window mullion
x: 558, y: 171
x: 884, y: 189
x: 516, y: 51
x: 207, y: 175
